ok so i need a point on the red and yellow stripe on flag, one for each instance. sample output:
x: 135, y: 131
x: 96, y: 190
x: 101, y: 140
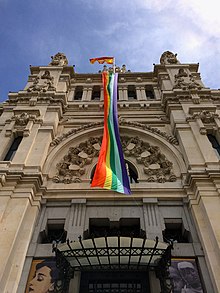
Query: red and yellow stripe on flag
x: 101, y: 60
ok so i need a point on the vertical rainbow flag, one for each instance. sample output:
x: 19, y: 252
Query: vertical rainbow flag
x: 111, y: 171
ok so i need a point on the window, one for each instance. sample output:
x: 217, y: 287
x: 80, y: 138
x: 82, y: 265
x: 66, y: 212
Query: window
x: 132, y: 172
x: 96, y: 93
x: 214, y: 143
x: 175, y: 232
x: 132, y: 93
x: 149, y: 92
x: 13, y: 149
x: 78, y: 93
x: 54, y: 231
x: 100, y: 227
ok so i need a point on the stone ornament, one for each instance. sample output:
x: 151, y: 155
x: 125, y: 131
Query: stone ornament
x: 72, y: 166
x: 59, y: 60
x: 170, y: 138
x: 185, y: 81
x: 168, y: 58
x: 47, y: 85
x: 156, y: 167
x: 206, y: 116
x: 22, y: 119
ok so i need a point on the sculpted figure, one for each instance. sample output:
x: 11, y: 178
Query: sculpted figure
x: 168, y: 58
x: 59, y: 60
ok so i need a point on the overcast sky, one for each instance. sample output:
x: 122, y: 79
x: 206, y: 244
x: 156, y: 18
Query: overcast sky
x: 136, y: 32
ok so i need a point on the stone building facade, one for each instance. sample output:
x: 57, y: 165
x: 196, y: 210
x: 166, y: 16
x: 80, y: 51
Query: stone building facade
x: 50, y: 135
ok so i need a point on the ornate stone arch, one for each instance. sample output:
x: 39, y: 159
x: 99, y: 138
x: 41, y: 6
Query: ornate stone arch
x: 155, y: 158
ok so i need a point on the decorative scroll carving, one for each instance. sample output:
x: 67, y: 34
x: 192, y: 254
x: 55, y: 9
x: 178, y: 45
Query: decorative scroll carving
x: 206, y: 116
x: 59, y: 60
x: 168, y: 58
x: 170, y: 138
x: 72, y: 166
x: 47, y: 85
x: 156, y: 166
x: 185, y: 81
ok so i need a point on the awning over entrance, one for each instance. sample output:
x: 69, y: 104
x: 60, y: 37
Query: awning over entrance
x: 113, y: 252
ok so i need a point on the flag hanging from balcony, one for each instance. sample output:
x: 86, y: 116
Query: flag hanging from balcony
x: 110, y: 170
x: 102, y: 60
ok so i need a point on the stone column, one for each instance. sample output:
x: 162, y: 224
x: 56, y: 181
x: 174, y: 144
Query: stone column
x: 152, y: 219
x: 207, y: 218
x: 77, y: 219
x: 17, y: 218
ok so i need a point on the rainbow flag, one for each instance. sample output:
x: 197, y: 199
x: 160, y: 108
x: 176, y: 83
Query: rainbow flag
x: 111, y: 171
x: 101, y: 60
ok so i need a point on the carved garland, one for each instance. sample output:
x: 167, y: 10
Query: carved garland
x: 170, y: 138
x: 155, y: 165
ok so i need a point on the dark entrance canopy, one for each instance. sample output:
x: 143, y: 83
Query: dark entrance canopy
x: 115, y: 253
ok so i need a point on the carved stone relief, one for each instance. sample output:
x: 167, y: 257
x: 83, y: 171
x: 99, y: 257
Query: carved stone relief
x: 185, y: 81
x: 205, y: 116
x: 155, y: 165
x: 168, y: 58
x: 21, y: 120
x: 170, y: 138
x: 46, y: 85
x: 59, y: 60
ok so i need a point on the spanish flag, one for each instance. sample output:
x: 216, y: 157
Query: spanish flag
x: 101, y: 60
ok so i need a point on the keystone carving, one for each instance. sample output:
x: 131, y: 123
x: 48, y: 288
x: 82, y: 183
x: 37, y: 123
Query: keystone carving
x: 168, y: 58
x: 170, y: 138
x: 59, y: 60
x: 47, y: 85
x: 185, y: 81
x: 155, y: 165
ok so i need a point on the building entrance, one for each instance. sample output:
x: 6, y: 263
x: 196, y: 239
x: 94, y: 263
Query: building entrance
x: 114, y: 282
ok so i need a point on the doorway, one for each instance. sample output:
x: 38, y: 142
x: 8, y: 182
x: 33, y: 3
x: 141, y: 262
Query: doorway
x: 114, y: 282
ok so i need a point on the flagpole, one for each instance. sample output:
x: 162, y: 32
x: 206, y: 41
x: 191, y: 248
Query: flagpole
x: 114, y: 65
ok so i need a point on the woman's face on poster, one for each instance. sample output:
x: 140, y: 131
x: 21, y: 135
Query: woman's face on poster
x: 42, y: 281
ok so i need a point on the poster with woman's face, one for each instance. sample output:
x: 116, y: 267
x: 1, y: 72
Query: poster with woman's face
x: 184, y: 276
x: 43, y: 276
